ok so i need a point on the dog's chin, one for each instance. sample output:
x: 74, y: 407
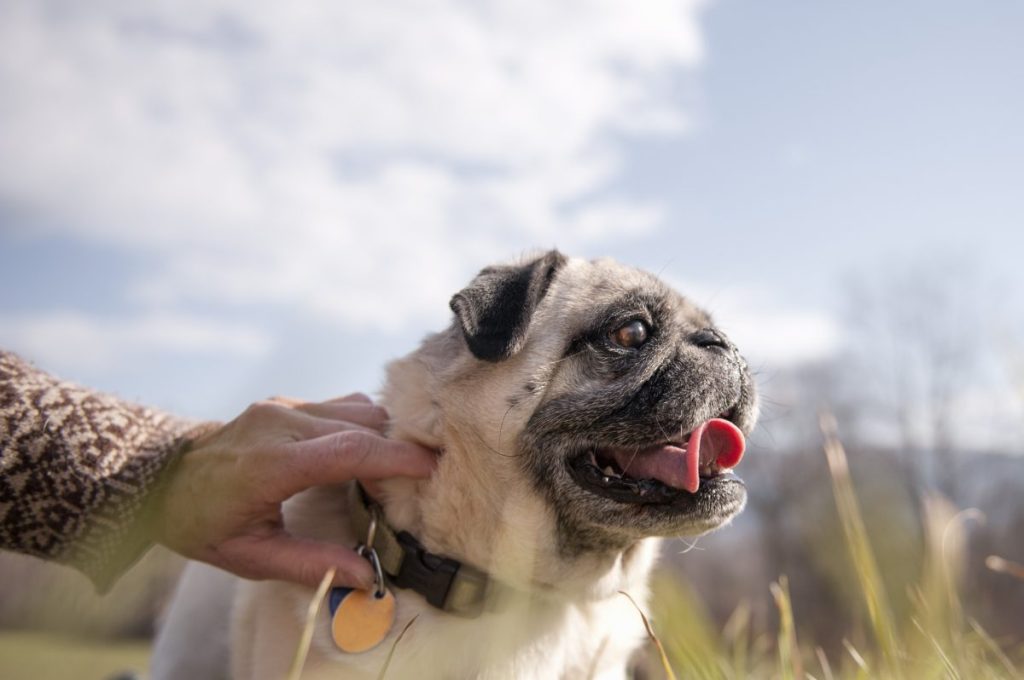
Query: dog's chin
x: 648, y: 507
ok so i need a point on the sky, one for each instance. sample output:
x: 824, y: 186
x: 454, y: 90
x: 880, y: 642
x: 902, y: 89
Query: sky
x: 207, y: 203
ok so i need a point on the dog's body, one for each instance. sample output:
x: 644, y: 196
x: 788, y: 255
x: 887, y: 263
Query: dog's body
x: 553, y: 371
x: 551, y: 636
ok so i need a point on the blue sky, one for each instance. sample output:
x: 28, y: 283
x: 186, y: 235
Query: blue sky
x: 202, y: 204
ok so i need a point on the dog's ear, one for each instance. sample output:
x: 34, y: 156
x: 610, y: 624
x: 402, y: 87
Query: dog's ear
x: 494, y: 310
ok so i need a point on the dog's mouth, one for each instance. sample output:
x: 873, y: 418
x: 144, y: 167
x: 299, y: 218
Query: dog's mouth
x: 665, y: 472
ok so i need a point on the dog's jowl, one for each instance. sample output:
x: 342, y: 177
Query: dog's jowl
x: 580, y: 410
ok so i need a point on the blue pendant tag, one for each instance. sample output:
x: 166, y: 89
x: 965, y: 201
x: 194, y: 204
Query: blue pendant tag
x: 335, y: 597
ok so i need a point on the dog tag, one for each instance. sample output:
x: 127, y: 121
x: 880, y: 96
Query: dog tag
x: 360, y: 619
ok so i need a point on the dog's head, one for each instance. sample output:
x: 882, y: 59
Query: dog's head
x: 597, y: 389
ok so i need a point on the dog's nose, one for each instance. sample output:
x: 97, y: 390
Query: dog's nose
x: 709, y: 338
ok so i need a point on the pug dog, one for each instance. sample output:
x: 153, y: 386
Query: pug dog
x: 581, y: 410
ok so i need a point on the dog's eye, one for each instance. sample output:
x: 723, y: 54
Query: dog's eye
x: 630, y: 336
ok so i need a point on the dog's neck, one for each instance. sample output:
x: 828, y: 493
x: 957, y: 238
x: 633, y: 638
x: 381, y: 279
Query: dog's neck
x: 514, y: 541
x: 478, y: 508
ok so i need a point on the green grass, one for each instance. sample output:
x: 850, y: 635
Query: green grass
x: 41, y: 656
x: 933, y: 640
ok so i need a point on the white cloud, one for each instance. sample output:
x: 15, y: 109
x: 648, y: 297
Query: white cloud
x: 768, y: 330
x: 64, y: 340
x: 353, y: 160
x: 783, y: 337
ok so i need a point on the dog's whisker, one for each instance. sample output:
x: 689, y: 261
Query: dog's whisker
x: 690, y: 546
x: 636, y: 452
x: 476, y: 433
x: 567, y: 356
x: 501, y: 426
x: 661, y: 427
x: 669, y: 262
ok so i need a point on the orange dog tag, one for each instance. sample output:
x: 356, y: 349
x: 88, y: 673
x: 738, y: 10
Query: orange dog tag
x: 360, y: 620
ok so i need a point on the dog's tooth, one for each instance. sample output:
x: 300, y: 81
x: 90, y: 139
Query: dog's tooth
x: 609, y: 471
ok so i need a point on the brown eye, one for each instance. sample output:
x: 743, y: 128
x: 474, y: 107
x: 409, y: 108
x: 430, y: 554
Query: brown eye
x: 632, y: 335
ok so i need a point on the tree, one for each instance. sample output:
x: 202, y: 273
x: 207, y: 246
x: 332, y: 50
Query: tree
x: 918, y: 335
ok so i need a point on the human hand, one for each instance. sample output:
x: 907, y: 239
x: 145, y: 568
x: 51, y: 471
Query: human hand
x: 222, y: 504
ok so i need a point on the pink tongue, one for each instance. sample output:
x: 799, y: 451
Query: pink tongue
x: 716, y: 443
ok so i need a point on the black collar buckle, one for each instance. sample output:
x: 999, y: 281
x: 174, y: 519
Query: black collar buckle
x: 443, y: 582
x: 428, y: 574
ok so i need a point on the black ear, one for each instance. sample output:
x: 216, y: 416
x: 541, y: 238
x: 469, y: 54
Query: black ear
x: 495, y: 309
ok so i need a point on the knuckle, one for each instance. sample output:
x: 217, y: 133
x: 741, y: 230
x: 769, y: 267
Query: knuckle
x: 264, y: 411
x: 354, y: 443
x: 260, y: 409
x: 379, y: 414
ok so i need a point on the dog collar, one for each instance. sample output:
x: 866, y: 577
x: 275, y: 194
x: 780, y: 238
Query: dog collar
x: 447, y: 584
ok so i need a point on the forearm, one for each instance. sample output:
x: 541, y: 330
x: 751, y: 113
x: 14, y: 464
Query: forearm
x: 76, y: 468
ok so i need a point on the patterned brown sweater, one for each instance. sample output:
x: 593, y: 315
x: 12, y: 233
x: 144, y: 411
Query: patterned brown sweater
x: 76, y: 467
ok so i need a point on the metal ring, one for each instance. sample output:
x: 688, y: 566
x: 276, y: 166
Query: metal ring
x: 371, y: 531
x: 378, y: 572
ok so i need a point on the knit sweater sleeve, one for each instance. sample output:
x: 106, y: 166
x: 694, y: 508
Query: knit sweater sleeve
x: 76, y: 467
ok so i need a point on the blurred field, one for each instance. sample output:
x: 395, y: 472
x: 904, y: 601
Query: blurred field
x: 44, y: 656
x: 839, y: 569
x: 53, y: 625
x: 932, y: 637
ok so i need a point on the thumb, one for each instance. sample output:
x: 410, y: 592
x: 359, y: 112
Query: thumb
x: 285, y: 558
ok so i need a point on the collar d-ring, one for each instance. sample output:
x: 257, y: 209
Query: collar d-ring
x: 378, y: 572
x: 371, y: 530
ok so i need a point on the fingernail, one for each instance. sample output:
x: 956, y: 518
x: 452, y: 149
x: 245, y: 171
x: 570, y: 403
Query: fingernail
x: 359, y: 579
x: 366, y: 583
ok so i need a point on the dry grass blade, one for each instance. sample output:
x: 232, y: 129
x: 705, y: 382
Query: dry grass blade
x: 855, y: 655
x: 737, y: 633
x: 650, y: 633
x: 994, y: 649
x: 1004, y: 566
x: 394, y: 645
x: 789, y: 650
x: 592, y: 671
x: 826, y: 667
x: 856, y: 536
x: 951, y: 671
x: 299, y: 660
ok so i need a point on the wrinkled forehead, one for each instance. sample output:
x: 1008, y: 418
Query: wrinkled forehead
x: 586, y: 291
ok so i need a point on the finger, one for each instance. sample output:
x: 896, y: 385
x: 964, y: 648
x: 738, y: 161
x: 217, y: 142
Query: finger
x: 285, y: 401
x: 356, y: 397
x: 285, y: 558
x: 300, y: 424
x: 280, y: 403
x: 367, y: 415
x: 348, y: 455
x: 372, y: 487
